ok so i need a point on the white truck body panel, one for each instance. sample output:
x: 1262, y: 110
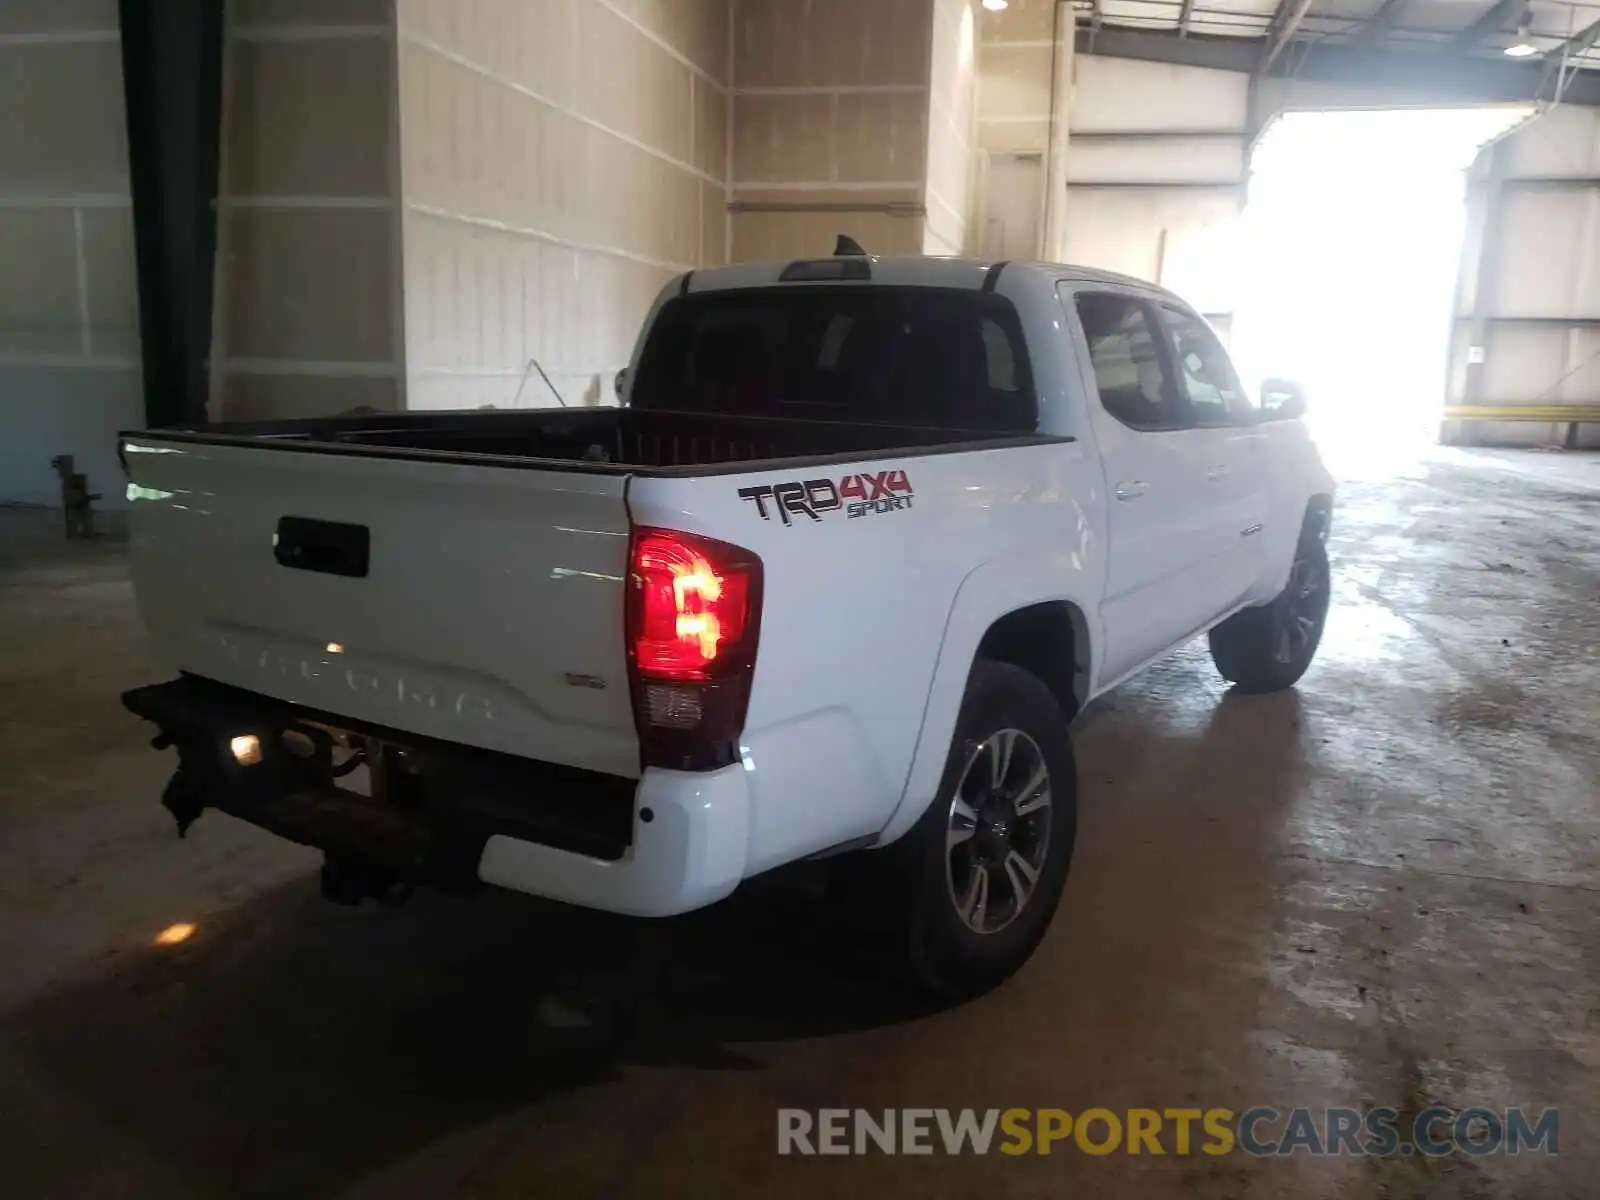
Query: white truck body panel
x: 851, y: 630
x: 497, y: 587
x: 488, y: 587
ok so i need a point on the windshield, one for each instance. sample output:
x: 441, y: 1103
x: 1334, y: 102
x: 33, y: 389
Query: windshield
x: 941, y: 357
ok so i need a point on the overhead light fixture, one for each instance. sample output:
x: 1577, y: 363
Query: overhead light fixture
x: 997, y: 5
x: 1522, y: 47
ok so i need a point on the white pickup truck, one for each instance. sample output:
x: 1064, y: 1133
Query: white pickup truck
x: 864, y: 537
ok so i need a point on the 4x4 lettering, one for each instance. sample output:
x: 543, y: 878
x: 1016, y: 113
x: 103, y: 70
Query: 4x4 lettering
x: 874, y: 484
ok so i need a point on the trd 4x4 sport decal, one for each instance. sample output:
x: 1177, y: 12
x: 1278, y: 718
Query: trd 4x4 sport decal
x: 859, y: 495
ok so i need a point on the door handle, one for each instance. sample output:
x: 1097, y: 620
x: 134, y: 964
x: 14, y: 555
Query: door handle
x: 1132, y: 489
x: 1217, y: 472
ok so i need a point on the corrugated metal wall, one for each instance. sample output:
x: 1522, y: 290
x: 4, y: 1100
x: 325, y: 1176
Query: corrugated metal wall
x: 1529, y: 298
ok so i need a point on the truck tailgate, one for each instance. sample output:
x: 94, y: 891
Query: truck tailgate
x: 478, y: 604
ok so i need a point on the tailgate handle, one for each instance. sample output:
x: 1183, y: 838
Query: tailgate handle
x: 326, y: 546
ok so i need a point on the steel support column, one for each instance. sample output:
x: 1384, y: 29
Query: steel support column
x: 172, y: 79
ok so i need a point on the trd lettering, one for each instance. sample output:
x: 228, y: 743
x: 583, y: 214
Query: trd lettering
x: 759, y: 495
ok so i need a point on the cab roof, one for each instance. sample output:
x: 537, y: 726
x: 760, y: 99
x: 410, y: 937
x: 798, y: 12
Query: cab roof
x: 901, y: 272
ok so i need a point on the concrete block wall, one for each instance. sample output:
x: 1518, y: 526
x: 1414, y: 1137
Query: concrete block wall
x: 1015, y: 51
x: 560, y: 161
x: 830, y: 125
x: 69, y: 327
x: 308, y: 310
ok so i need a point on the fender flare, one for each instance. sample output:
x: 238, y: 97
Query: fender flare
x: 988, y: 593
x: 1317, y: 513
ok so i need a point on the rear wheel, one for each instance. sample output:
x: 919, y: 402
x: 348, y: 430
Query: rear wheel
x: 969, y: 892
x: 1269, y: 648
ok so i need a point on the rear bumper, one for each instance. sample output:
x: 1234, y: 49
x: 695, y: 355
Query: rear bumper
x: 688, y: 854
x: 445, y: 814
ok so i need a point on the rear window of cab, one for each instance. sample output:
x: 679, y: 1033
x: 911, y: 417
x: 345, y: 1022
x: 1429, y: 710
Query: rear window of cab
x: 949, y: 358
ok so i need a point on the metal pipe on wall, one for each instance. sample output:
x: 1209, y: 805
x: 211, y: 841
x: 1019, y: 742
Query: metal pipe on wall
x: 1055, y: 171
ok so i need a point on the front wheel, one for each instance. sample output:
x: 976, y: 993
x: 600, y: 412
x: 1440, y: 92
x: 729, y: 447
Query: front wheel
x: 1269, y: 648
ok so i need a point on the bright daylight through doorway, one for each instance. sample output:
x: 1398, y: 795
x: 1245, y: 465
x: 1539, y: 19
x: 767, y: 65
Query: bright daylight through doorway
x: 1348, y: 255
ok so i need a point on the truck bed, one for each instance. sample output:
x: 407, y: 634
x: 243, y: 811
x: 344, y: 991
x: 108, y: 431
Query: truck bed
x: 596, y: 439
x: 454, y: 575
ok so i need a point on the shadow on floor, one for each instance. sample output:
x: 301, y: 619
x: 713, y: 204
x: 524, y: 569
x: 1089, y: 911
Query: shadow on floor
x: 292, y: 1048
x: 315, y: 1044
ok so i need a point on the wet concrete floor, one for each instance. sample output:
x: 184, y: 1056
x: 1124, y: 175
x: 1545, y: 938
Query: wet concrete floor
x: 1382, y: 888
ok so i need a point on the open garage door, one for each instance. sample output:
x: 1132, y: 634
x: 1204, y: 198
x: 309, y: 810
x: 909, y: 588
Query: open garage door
x: 1328, y: 249
x: 1350, y: 253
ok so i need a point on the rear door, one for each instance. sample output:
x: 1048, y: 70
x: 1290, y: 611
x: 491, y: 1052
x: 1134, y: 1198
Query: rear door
x: 481, y: 605
x: 1157, y: 557
x: 1230, y: 449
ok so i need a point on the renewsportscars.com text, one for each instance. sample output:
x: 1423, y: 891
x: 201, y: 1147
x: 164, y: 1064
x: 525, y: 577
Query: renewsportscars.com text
x: 1364, y: 1132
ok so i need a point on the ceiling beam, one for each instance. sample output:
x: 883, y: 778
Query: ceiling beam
x: 1563, y: 74
x: 1374, y: 27
x: 1504, y: 14
x: 1577, y: 43
x: 1433, y: 76
x: 1285, y: 21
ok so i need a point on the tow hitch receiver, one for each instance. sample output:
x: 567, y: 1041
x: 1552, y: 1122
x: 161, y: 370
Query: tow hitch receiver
x: 261, y: 763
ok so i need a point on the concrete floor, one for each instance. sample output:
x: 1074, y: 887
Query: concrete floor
x: 1383, y: 887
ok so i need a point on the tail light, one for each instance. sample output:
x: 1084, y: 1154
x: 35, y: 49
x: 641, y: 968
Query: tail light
x: 693, y: 618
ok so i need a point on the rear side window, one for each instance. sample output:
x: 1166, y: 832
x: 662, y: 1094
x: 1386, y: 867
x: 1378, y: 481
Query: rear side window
x: 1129, y: 370
x: 939, y: 357
x: 1212, y: 387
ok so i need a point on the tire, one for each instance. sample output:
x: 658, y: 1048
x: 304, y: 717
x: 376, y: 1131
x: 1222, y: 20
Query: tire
x: 1268, y: 648
x: 922, y: 888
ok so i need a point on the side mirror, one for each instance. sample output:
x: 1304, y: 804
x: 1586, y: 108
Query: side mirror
x: 1282, y: 400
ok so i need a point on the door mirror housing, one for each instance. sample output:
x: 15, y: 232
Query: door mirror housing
x: 1282, y: 400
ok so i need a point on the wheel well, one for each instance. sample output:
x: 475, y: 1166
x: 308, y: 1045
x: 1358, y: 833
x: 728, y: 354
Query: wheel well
x: 1319, y: 516
x: 1048, y: 640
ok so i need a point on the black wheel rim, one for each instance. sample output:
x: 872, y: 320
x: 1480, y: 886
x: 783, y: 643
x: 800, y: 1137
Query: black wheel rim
x: 1302, y: 611
x: 998, y: 831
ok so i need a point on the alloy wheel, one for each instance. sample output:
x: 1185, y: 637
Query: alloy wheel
x: 998, y: 831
